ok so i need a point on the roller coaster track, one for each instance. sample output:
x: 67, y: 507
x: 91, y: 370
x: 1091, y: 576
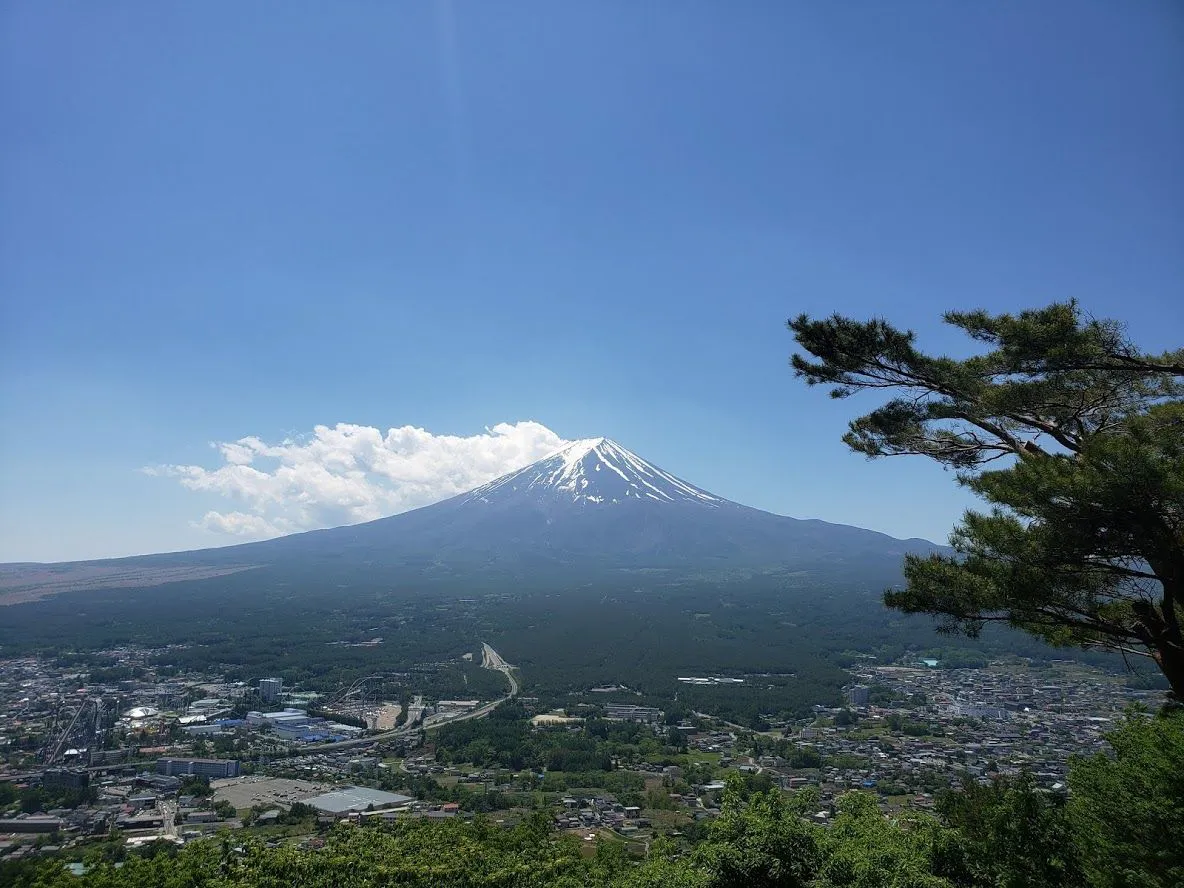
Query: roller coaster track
x: 490, y: 659
x: 352, y: 690
x: 53, y: 750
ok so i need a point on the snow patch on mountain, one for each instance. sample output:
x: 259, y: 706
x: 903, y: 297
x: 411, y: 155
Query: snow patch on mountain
x: 597, y: 471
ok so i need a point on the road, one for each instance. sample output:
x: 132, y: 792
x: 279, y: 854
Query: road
x: 168, y: 818
x: 490, y: 659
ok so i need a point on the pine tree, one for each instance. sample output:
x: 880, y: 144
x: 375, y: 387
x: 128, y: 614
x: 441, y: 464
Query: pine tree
x: 1072, y: 435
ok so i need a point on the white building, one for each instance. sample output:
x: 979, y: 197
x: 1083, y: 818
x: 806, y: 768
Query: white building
x: 271, y: 689
x: 271, y: 719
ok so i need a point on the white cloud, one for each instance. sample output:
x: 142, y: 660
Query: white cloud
x: 240, y: 524
x: 349, y: 473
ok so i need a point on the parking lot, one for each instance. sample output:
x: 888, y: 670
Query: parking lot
x: 245, y: 792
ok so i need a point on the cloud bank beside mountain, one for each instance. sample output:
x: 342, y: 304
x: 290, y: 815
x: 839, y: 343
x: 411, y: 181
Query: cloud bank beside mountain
x: 346, y: 473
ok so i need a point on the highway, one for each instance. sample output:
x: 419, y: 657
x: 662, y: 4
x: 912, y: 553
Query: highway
x: 490, y: 659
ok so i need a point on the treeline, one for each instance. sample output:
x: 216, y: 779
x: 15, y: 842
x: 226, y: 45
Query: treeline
x: 30, y: 799
x: 260, y: 622
x: 788, y: 636
x: 508, y: 741
x: 344, y: 718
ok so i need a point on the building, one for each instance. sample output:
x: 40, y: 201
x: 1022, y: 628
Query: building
x: 967, y: 709
x: 355, y: 799
x: 271, y: 689
x: 644, y: 714
x: 202, y: 729
x: 858, y: 696
x: 195, y: 767
x: 109, y: 756
x: 201, y: 816
x: 32, y: 825
x: 457, y: 705
x: 160, y: 782
x: 146, y: 820
x: 139, y: 713
x: 302, y: 729
x: 66, y: 778
x: 282, y: 717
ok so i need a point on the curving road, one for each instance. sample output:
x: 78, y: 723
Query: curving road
x: 490, y: 659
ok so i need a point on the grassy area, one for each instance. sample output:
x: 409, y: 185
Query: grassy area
x: 280, y: 831
x: 665, y: 821
x: 697, y: 756
x: 872, y: 732
x: 633, y: 847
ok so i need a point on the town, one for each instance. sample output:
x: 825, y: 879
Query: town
x: 126, y: 756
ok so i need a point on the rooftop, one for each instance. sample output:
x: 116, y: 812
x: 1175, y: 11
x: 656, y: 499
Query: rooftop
x: 356, y: 798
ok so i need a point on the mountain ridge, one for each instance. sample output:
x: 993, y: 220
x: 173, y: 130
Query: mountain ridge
x: 590, y: 506
x: 592, y: 502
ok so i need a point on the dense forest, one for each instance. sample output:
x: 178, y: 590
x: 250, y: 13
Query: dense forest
x: 787, y: 636
x: 507, y: 740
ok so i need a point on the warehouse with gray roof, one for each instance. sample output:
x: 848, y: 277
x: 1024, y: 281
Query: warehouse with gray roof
x: 351, y: 799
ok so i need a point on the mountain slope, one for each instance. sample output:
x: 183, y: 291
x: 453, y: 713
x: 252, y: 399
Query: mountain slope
x: 591, y: 507
x: 591, y: 503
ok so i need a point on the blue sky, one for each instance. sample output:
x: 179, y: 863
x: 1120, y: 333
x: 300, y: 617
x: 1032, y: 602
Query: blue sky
x: 221, y: 220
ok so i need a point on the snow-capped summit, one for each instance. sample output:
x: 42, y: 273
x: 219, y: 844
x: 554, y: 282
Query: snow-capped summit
x: 592, y: 506
x: 596, y: 471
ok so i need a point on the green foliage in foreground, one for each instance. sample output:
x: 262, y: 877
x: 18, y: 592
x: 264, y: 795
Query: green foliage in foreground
x: 1128, y: 811
x: 762, y: 842
x: 1121, y: 828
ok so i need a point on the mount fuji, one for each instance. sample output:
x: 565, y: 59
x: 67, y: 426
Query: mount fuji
x: 593, y: 512
x: 592, y: 565
x: 591, y: 505
x: 574, y: 474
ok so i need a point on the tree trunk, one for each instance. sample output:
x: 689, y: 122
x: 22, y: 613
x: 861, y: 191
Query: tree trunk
x: 1170, y: 658
x: 1163, y: 640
